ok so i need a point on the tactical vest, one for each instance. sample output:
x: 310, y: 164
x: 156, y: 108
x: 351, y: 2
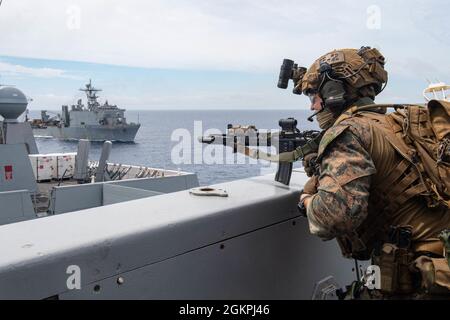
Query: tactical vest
x: 401, y: 143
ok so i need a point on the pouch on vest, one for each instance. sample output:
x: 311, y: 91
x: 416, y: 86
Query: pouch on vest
x: 440, y: 118
x: 435, y: 274
x: 394, y: 266
x: 444, y: 236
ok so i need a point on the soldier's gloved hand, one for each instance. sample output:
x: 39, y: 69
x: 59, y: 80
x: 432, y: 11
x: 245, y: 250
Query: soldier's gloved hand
x: 309, y: 189
x: 309, y: 163
x: 311, y: 186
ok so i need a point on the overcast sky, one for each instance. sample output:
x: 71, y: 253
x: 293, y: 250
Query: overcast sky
x: 210, y: 54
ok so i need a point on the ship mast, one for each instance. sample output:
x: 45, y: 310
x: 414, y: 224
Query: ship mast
x: 91, y: 94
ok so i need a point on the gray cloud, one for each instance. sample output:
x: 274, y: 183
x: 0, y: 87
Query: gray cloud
x: 231, y: 35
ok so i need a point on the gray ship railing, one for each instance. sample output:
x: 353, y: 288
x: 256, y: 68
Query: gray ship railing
x: 249, y: 245
x: 90, y: 195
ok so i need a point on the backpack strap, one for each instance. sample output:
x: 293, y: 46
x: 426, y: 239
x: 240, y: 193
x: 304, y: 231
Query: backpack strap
x: 329, y: 136
x: 380, y: 108
x: 337, y: 129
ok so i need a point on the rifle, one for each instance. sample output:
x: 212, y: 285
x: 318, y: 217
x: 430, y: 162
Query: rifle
x: 291, y: 144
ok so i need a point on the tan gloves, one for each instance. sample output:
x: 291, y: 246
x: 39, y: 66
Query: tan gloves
x: 309, y: 189
x: 311, y: 186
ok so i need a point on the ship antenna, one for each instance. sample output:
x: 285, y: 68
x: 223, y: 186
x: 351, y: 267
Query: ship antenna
x: 91, y: 94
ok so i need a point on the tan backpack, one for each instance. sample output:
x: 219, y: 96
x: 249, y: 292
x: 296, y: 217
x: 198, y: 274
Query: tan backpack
x: 423, y: 138
x: 427, y: 131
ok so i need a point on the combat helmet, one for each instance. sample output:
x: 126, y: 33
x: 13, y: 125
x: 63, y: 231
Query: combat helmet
x: 360, y: 73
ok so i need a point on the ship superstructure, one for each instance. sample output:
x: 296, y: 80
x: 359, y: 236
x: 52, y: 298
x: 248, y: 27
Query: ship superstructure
x: 93, y: 121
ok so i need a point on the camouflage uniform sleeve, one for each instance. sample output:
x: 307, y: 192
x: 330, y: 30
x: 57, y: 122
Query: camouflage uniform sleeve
x: 340, y: 205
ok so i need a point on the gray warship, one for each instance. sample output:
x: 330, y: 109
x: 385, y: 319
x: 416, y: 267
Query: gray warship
x: 95, y: 122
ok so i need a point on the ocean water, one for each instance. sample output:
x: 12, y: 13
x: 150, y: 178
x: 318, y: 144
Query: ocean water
x: 162, y: 134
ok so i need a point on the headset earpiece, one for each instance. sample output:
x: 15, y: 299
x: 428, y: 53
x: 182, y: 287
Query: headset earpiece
x: 333, y: 95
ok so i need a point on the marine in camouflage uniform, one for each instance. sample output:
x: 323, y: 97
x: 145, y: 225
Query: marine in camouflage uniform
x: 366, y: 195
x: 346, y: 175
x: 341, y: 202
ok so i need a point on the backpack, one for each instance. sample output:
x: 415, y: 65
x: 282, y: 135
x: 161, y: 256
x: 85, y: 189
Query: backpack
x: 423, y: 138
x: 426, y: 130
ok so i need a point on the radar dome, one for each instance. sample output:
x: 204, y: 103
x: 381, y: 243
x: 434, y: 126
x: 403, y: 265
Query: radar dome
x: 12, y: 103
